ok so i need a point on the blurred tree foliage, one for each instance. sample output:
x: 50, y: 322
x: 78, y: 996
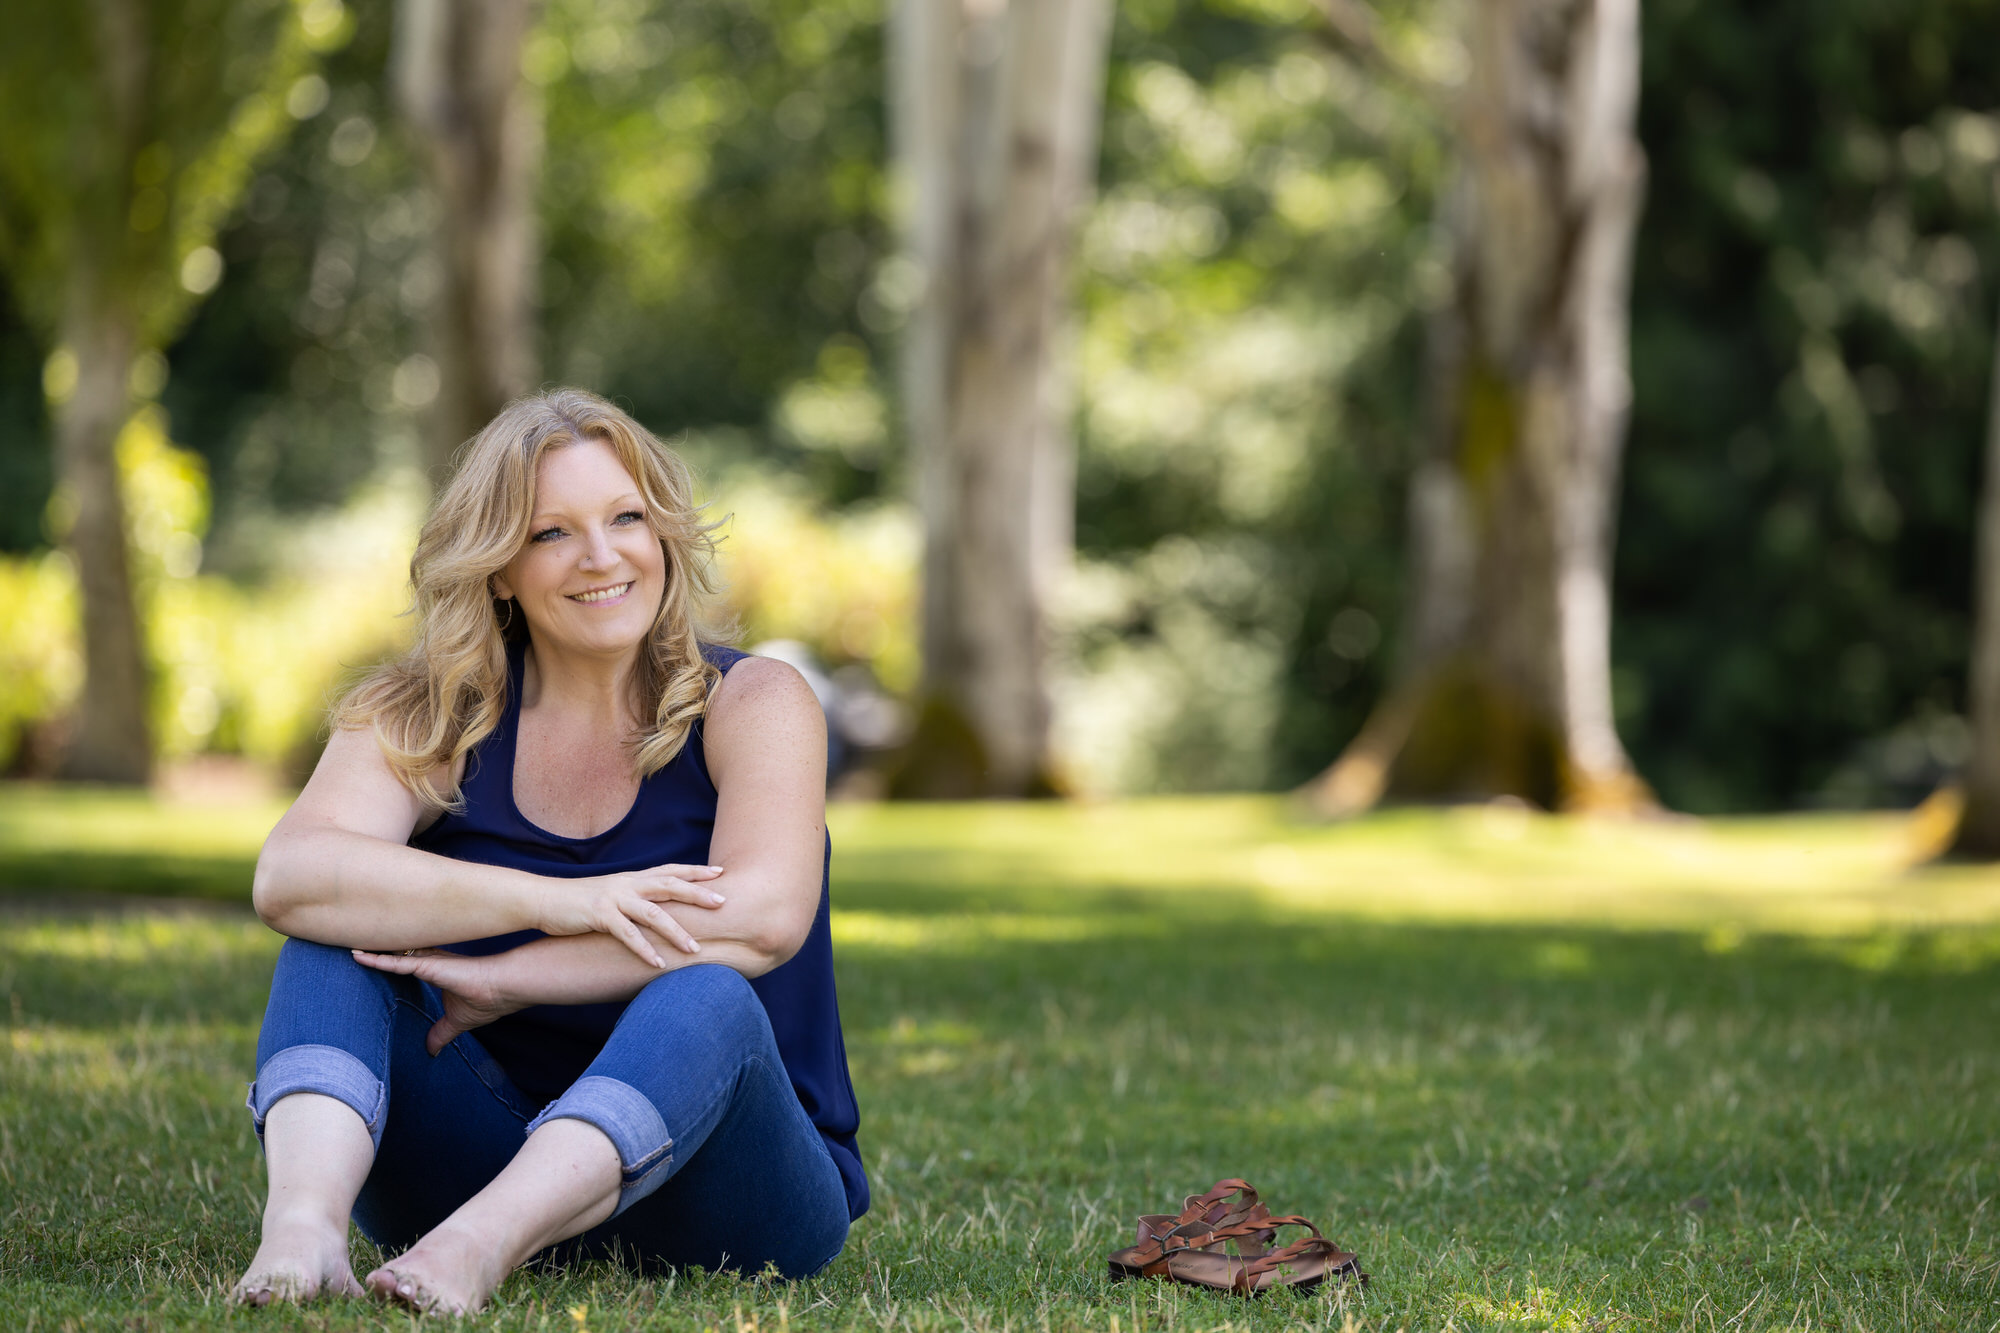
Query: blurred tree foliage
x: 1257, y: 272
x: 1812, y: 324
x: 1813, y: 300
x: 284, y: 381
x: 27, y: 458
x: 714, y: 199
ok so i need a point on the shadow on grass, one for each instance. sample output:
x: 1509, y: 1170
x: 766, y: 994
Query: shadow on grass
x: 161, y: 875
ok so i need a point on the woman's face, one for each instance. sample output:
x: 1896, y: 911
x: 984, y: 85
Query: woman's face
x: 592, y: 574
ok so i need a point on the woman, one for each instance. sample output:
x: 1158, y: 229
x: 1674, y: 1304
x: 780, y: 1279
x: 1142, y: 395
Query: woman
x: 638, y: 1051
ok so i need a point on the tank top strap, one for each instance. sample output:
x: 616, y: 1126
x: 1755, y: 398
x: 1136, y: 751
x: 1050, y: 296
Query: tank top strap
x: 721, y: 656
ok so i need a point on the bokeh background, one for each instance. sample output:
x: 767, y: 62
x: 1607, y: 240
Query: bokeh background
x: 720, y: 241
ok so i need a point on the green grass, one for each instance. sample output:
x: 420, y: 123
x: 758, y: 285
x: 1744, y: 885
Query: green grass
x: 1726, y: 1076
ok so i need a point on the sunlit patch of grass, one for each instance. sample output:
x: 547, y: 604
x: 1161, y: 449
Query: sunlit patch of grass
x: 1819, y: 873
x: 862, y: 930
x: 39, y: 818
x: 198, y: 941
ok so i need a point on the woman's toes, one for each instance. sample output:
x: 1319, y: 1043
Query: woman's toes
x: 389, y: 1285
x: 264, y: 1288
x: 268, y: 1288
x: 255, y: 1295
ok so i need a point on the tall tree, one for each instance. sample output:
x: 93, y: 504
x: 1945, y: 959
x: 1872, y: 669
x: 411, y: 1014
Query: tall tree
x: 132, y: 128
x: 458, y: 80
x: 1978, y: 833
x: 996, y: 110
x: 1505, y: 686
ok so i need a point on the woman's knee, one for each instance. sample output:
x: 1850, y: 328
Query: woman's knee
x: 710, y: 995
x: 319, y: 975
x: 308, y: 955
x: 305, y: 963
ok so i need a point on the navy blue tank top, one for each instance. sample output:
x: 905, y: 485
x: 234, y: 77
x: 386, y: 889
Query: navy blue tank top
x: 545, y: 1048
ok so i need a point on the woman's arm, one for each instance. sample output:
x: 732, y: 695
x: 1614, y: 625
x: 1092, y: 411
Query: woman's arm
x: 765, y: 740
x: 337, y: 870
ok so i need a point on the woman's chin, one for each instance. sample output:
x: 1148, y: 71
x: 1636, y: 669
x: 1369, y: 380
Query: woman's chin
x: 598, y: 630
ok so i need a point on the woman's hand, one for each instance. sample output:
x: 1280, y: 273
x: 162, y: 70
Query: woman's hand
x: 617, y: 905
x: 470, y: 987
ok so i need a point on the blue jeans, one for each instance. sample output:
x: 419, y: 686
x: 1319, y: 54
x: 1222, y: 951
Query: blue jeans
x: 722, y: 1168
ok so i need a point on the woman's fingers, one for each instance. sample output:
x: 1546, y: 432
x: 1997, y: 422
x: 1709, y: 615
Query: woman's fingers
x: 630, y: 935
x: 401, y: 964
x: 689, y: 872
x: 443, y: 1033
x: 664, y: 925
x: 677, y: 890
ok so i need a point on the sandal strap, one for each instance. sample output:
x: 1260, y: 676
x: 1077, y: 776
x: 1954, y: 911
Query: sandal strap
x: 1222, y: 1203
x: 1200, y: 1225
x: 1338, y: 1260
x: 1260, y: 1224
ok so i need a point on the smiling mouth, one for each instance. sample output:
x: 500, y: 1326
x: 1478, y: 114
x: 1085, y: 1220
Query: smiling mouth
x: 612, y: 593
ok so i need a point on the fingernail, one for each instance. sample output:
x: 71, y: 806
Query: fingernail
x: 694, y: 946
x: 716, y: 869
x: 717, y: 899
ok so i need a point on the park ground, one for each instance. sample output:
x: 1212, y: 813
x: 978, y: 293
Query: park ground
x: 1717, y: 1075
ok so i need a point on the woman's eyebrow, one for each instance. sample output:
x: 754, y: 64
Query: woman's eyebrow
x: 556, y: 515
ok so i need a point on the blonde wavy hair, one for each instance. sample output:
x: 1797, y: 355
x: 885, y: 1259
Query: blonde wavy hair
x: 430, y: 706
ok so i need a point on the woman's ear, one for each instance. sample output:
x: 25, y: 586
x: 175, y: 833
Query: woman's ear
x: 500, y: 588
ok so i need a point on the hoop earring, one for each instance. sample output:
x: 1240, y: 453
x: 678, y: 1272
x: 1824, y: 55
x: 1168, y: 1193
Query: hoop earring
x: 506, y: 624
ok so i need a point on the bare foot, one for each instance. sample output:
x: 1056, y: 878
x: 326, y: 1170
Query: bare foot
x: 447, y: 1272
x: 299, y: 1260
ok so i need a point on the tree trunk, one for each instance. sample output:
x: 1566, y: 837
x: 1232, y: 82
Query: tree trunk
x: 110, y: 740
x: 1978, y: 834
x: 458, y: 81
x: 997, y: 105
x: 1504, y: 687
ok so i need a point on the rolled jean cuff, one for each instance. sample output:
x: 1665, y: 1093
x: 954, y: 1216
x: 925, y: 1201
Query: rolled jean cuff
x: 326, y: 1070
x: 630, y: 1121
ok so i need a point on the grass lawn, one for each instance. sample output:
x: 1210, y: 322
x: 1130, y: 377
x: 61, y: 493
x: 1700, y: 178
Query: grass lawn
x: 1722, y: 1076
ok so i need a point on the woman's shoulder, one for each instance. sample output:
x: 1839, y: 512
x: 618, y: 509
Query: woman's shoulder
x: 765, y: 682
x: 770, y: 682
x: 762, y: 700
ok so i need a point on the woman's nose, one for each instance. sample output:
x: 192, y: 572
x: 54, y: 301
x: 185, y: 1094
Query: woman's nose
x: 597, y: 552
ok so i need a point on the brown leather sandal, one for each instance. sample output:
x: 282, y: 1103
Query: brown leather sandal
x: 1229, y: 1205
x: 1221, y: 1211
x: 1300, y: 1266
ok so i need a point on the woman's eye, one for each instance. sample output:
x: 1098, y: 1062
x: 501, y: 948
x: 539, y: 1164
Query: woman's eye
x: 631, y: 516
x: 546, y: 534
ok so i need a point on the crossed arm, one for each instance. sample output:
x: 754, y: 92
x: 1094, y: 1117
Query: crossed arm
x: 337, y: 870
